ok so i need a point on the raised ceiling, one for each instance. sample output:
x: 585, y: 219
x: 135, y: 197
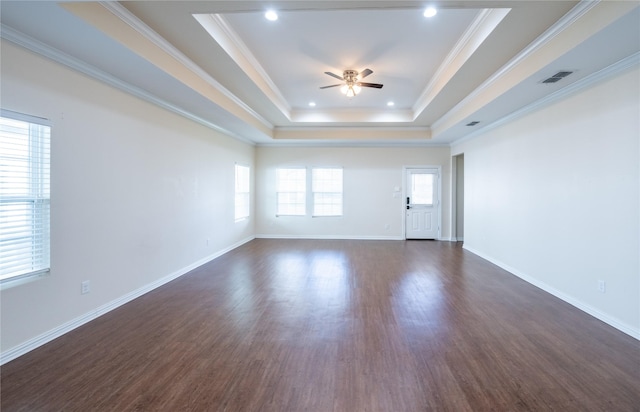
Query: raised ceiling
x: 223, y: 64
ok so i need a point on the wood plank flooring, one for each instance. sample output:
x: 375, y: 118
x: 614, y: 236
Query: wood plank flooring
x: 322, y: 325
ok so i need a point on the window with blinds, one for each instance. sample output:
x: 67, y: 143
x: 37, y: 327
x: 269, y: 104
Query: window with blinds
x: 326, y: 185
x: 242, y: 192
x: 291, y: 186
x: 24, y: 195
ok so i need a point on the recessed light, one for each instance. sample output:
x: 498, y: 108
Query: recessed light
x: 312, y: 104
x: 390, y: 104
x: 271, y: 15
x: 430, y: 12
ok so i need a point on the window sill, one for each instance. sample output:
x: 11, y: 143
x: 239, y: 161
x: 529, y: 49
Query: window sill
x: 24, y: 279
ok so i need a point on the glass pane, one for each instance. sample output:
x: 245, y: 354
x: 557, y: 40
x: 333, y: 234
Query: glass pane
x: 242, y: 205
x: 15, y: 172
x: 327, y: 191
x: 422, y: 189
x: 291, y: 180
x: 242, y: 192
x: 327, y: 180
x: 327, y: 204
x: 291, y: 203
x: 291, y: 191
x: 242, y: 178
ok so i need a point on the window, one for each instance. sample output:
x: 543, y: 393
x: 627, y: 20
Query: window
x: 326, y: 185
x: 242, y: 192
x: 291, y: 192
x: 24, y: 195
x: 422, y: 188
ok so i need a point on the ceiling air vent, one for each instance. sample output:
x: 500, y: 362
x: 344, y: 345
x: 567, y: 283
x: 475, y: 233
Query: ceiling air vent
x: 473, y: 123
x: 556, y: 77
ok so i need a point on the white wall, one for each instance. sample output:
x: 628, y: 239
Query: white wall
x: 136, y: 193
x: 370, y: 177
x: 554, y: 197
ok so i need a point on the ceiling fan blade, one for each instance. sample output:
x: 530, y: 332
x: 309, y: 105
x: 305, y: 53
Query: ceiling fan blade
x: 365, y: 73
x: 334, y: 75
x: 374, y: 85
x: 333, y: 85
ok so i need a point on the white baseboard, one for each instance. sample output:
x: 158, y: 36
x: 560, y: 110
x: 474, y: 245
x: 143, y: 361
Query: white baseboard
x: 337, y: 237
x: 629, y: 330
x: 54, y: 333
x: 329, y: 237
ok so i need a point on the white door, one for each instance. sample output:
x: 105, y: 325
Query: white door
x: 422, y: 220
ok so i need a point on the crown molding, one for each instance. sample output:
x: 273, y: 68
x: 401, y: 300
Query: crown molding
x: 545, y: 38
x: 141, y: 28
x: 482, y: 26
x: 222, y: 33
x: 353, y: 134
x: 387, y: 129
x: 352, y: 116
x: 51, y: 53
x: 572, y: 89
x: 351, y: 143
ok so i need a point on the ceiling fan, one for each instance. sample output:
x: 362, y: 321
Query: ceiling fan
x: 352, y: 84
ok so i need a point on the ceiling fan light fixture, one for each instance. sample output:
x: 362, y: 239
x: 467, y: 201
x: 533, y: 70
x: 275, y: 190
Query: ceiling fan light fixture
x: 350, y: 90
x: 352, y: 84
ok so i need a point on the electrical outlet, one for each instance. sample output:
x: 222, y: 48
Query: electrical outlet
x: 85, y: 287
x: 602, y: 286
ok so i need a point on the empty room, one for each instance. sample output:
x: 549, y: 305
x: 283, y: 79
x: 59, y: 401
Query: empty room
x: 320, y: 206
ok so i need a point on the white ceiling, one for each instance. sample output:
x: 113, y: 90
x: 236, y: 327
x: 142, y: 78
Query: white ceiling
x: 223, y: 64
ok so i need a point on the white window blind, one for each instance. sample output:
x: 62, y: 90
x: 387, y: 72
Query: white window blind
x: 24, y: 195
x: 242, y: 192
x: 326, y: 185
x: 291, y: 186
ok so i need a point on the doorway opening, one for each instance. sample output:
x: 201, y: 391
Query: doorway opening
x: 457, y: 198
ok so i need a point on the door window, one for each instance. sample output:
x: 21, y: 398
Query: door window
x: 422, y: 188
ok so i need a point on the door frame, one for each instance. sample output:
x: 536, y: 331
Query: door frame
x: 455, y: 199
x: 404, y: 196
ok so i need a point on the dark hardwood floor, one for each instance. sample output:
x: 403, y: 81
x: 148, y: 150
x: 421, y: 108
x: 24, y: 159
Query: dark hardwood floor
x: 320, y: 325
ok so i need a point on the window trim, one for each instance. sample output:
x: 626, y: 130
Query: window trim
x: 44, y: 239
x: 236, y: 193
x: 314, y: 192
x: 304, y: 193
